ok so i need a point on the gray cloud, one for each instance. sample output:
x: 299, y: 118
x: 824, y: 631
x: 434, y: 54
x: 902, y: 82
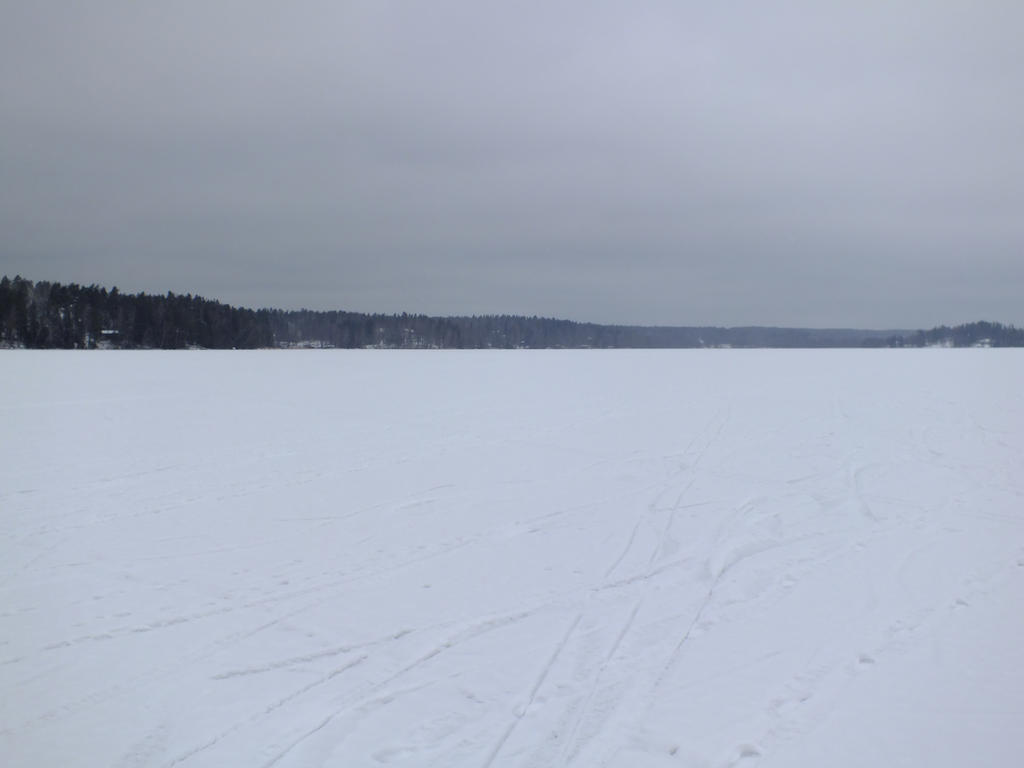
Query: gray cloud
x: 679, y: 163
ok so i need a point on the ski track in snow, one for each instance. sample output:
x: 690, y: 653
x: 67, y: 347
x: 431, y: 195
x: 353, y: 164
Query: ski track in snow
x: 635, y: 558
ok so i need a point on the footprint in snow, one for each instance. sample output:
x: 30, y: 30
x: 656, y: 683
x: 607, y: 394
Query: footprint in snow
x: 748, y: 751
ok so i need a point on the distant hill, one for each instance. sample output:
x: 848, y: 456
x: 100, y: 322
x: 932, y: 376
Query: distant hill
x: 54, y: 315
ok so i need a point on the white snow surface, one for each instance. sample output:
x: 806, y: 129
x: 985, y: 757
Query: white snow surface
x: 547, y: 558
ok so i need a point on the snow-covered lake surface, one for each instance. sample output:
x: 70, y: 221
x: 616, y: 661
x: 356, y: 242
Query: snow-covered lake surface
x: 603, y: 558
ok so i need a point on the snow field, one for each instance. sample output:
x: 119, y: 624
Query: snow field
x: 593, y: 558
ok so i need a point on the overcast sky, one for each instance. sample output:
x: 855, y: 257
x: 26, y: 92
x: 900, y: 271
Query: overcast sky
x: 685, y: 163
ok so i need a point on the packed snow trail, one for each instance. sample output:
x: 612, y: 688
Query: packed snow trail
x: 587, y: 558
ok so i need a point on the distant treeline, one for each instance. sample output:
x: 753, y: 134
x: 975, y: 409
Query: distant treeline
x: 52, y: 315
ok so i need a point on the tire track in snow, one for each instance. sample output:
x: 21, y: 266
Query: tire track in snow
x: 721, y: 417
x: 625, y: 551
x: 713, y: 430
x: 132, y: 684
x: 677, y: 651
x: 572, y: 750
x: 267, y: 711
x: 669, y: 522
x: 856, y: 484
x: 159, y: 624
x: 309, y: 658
x: 521, y: 711
x: 363, y: 704
x: 717, y: 570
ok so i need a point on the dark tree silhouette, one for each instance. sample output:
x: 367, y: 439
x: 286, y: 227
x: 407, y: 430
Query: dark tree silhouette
x: 52, y: 315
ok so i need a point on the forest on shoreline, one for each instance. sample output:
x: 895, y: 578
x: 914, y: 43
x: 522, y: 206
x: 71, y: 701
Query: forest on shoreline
x: 49, y: 315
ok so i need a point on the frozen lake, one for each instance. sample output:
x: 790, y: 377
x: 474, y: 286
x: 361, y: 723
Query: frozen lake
x: 547, y: 558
